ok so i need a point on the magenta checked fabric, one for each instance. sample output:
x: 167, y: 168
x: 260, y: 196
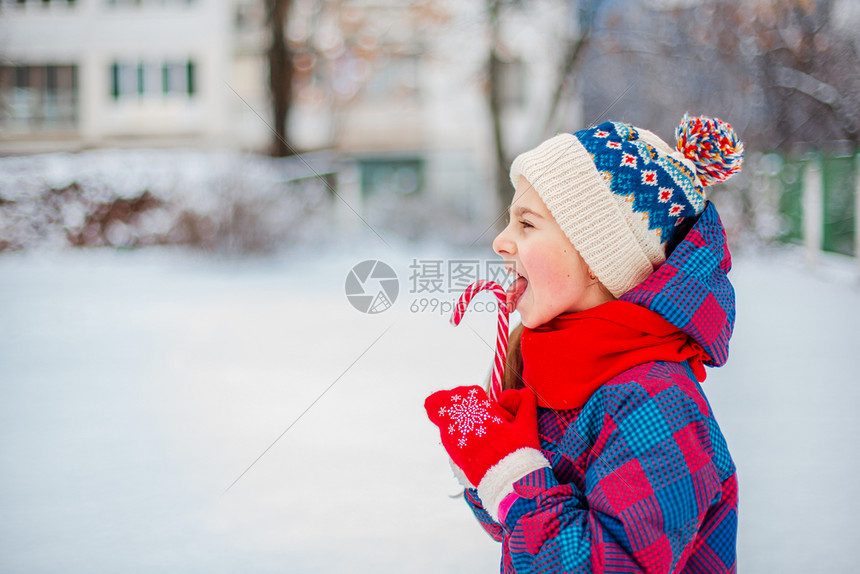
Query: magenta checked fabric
x: 641, y: 477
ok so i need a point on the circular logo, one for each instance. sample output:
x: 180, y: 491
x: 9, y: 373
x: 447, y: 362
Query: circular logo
x: 372, y: 286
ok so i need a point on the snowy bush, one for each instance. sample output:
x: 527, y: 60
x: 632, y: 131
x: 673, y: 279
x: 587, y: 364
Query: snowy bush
x: 215, y: 201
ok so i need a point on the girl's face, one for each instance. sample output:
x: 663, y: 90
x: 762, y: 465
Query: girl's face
x: 556, y: 278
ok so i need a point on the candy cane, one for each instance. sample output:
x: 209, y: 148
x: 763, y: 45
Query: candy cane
x: 502, y: 331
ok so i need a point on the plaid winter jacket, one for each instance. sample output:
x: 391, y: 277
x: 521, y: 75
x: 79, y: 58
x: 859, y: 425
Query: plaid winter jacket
x: 641, y: 478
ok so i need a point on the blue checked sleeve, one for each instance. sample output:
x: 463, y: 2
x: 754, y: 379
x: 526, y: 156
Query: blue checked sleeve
x: 493, y: 528
x: 651, y: 489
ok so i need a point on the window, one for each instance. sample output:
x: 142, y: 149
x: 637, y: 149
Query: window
x: 151, y: 80
x: 178, y: 78
x: 22, y: 4
x: 144, y: 3
x: 249, y: 16
x: 34, y: 98
x: 397, y: 176
x: 125, y: 80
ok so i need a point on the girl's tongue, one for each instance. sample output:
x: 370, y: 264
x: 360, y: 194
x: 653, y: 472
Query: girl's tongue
x: 514, y: 292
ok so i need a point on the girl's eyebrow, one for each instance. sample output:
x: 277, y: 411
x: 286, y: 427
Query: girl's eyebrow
x: 521, y: 210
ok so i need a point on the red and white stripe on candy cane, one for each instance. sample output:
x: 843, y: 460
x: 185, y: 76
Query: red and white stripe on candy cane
x: 501, y: 331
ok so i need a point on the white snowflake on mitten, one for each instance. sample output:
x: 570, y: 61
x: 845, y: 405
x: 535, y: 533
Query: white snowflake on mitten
x: 468, y: 415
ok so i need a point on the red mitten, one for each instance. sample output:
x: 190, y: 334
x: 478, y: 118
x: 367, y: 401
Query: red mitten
x: 495, y: 444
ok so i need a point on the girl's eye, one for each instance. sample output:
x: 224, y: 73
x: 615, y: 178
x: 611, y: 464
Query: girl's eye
x: 525, y: 224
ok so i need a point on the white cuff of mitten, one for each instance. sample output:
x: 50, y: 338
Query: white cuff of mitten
x: 460, y: 475
x: 499, y: 481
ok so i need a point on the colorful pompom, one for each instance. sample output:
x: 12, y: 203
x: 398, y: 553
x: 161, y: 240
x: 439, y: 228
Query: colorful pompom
x: 712, y: 145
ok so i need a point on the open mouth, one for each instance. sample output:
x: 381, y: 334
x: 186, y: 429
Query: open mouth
x: 514, y: 291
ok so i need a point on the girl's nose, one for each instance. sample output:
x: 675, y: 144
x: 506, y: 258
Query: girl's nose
x: 502, y: 244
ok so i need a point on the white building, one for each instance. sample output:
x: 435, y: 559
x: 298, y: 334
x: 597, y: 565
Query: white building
x: 94, y: 73
x: 408, y: 100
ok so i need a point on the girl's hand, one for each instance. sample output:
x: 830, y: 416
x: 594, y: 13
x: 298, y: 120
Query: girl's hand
x: 478, y: 433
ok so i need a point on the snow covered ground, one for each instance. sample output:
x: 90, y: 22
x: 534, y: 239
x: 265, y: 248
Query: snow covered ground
x: 137, y: 386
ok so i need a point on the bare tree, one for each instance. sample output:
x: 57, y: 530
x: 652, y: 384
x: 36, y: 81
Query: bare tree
x: 575, y: 46
x: 280, y: 74
x: 808, y: 69
x: 784, y: 73
x: 327, y: 51
x: 494, y: 68
x: 783, y: 70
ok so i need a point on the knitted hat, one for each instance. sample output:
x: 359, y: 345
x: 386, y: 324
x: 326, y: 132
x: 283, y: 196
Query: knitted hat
x: 620, y: 193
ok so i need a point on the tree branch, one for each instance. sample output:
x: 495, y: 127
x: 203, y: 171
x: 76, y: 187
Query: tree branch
x: 820, y: 91
x: 575, y: 51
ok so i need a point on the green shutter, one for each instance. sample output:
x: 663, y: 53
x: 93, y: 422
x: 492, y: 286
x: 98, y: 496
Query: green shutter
x: 839, y: 190
x: 141, y: 88
x: 114, y: 72
x: 191, y: 86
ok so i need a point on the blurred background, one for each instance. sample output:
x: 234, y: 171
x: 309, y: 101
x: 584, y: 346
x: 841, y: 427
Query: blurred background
x: 186, y: 184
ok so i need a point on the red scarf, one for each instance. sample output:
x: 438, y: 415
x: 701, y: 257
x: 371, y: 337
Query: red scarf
x: 571, y: 356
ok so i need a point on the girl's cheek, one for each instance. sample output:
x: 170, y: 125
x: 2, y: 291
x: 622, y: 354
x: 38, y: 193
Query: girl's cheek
x: 547, y: 274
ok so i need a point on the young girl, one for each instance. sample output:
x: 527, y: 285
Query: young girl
x: 602, y: 454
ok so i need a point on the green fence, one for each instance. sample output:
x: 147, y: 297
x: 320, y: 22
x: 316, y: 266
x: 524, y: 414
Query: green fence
x: 839, y: 194
x: 791, y: 201
x: 839, y: 197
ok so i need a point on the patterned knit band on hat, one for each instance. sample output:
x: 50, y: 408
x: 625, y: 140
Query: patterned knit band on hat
x: 619, y: 193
